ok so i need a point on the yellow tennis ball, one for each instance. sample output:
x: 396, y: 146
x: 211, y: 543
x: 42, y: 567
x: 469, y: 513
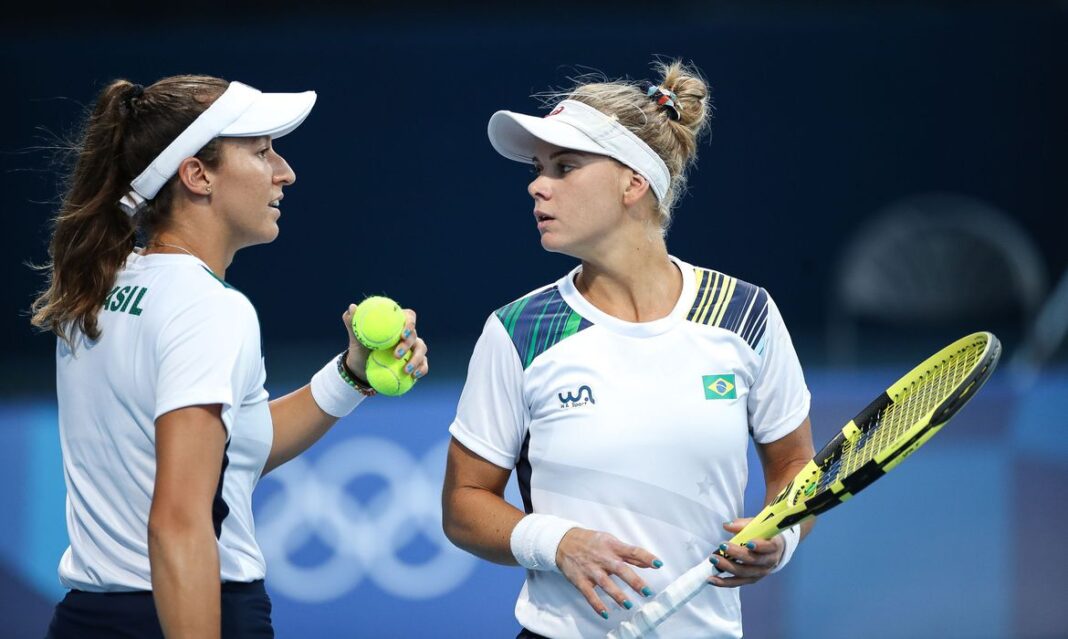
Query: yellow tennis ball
x: 378, y: 322
x: 386, y: 373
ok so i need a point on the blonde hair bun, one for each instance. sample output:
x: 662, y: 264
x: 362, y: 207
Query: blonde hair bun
x: 671, y: 130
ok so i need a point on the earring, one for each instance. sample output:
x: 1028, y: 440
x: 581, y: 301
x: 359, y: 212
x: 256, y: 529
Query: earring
x: 209, y: 189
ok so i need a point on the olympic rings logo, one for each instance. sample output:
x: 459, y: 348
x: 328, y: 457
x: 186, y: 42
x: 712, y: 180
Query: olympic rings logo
x: 363, y: 538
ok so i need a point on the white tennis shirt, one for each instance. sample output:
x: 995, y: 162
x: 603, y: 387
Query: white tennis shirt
x: 636, y: 429
x: 173, y: 335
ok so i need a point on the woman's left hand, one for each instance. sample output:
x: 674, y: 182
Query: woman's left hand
x: 418, y: 366
x: 749, y: 563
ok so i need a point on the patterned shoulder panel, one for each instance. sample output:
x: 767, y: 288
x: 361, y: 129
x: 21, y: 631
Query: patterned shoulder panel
x: 539, y: 321
x: 731, y: 304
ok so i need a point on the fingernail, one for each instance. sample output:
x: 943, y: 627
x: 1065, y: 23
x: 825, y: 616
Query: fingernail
x: 407, y: 332
x: 715, y: 562
x: 647, y: 591
x: 627, y: 604
x: 657, y: 563
x: 723, y: 547
x: 604, y: 613
x: 400, y: 352
x: 750, y: 545
x: 418, y: 374
x: 408, y: 368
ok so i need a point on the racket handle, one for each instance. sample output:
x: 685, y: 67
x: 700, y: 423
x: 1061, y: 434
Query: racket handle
x: 664, y: 604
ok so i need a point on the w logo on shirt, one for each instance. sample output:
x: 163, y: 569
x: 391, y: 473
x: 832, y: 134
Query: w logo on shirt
x: 719, y: 386
x: 583, y: 396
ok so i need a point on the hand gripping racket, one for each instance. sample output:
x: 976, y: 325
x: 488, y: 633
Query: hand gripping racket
x: 878, y: 439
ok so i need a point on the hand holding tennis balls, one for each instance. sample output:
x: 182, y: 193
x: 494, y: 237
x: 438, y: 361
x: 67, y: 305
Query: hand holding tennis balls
x: 397, y: 356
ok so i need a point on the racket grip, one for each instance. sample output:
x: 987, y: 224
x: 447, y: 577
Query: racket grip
x: 664, y: 604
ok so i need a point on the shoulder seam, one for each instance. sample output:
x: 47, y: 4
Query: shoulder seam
x: 218, y: 279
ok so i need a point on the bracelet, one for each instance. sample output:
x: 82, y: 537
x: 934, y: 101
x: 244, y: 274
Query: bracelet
x: 336, y: 396
x: 535, y: 539
x: 791, y: 536
x: 351, y: 378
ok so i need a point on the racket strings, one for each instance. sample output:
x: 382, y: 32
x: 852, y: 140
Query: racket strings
x: 888, y: 424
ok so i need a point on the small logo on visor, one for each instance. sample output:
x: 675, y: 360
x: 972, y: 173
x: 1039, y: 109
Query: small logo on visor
x: 555, y: 111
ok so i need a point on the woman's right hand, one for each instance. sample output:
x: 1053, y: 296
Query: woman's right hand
x: 589, y: 558
x: 417, y: 366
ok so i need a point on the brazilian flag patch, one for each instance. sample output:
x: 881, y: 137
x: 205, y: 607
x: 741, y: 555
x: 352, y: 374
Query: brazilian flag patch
x: 719, y: 386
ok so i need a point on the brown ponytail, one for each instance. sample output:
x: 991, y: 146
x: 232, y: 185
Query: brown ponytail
x: 92, y: 236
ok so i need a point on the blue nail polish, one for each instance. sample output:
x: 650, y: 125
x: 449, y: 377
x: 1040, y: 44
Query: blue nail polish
x: 627, y: 604
x: 723, y: 547
x: 407, y: 332
x: 408, y: 368
x: 750, y: 545
x: 417, y: 374
x: 400, y: 352
x: 657, y: 563
x: 604, y: 613
x: 647, y: 591
x: 715, y: 561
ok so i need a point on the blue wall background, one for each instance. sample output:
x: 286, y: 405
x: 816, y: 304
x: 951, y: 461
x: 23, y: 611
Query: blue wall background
x: 825, y: 113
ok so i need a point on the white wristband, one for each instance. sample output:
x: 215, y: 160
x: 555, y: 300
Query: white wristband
x: 333, y: 394
x: 535, y: 539
x: 791, y: 536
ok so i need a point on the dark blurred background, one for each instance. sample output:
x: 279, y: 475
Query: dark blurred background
x: 892, y: 172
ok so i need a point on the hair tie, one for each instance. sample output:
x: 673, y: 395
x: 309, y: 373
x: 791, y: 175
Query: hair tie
x: 132, y: 94
x: 664, y: 98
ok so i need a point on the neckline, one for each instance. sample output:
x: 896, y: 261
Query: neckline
x: 160, y: 259
x: 651, y: 328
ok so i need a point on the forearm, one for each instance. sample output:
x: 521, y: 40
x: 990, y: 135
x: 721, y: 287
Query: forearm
x: 783, y: 459
x: 481, y: 522
x: 184, y: 560
x: 298, y: 422
x: 775, y: 482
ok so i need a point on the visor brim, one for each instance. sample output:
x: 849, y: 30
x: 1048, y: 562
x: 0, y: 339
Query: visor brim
x: 272, y: 114
x: 516, y: 136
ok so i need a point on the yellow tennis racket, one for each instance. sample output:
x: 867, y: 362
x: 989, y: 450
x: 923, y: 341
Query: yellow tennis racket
x: 872, y: 444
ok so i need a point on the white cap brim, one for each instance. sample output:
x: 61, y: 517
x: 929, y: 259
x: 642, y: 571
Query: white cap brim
x: 579, y: 127
x: 517, y: 136
x: 273, y: 114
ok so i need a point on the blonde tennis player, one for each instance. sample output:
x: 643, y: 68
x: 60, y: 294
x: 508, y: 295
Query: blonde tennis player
x: 624, y: 394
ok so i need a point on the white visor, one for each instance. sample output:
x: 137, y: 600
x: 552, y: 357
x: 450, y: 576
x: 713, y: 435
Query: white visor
x: 240, y: 112
x: 579, y: 127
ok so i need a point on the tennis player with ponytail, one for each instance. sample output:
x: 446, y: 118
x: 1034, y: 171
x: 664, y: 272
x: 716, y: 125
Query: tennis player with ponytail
x: 623, y: 394
x: 165, y: 425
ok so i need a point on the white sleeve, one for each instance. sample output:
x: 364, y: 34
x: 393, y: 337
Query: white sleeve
x: 492, y: 417
x: 209, y: 353
x: 779, y: 399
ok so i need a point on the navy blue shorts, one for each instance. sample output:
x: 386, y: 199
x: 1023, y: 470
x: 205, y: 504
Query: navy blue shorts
x: 246, y: 614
